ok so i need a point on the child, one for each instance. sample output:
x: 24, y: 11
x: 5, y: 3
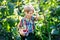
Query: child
x: 26, y: 25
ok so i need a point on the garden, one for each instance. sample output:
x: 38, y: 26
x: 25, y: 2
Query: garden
x: 47, y: 28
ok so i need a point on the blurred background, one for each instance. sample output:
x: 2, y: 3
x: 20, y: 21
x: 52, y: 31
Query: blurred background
x: 11, y: 12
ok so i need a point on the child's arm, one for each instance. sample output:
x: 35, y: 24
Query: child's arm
x: 20, y: 25
x: 38, y: 17
x: 20, y: 28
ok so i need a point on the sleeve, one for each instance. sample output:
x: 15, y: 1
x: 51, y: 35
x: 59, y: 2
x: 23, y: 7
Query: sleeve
x: 33, y: 22
x: 21, y: 23
x: 33, y: 18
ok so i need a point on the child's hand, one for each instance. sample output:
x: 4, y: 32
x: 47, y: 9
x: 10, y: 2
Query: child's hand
x: 36, y: 12
x: 36, y: 15
x: 21, y: 32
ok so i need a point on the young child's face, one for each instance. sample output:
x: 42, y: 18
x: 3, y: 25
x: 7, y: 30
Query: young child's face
x: 29, y: 14
x: 29, y: 10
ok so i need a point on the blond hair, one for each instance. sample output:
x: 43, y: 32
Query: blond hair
x: 28, y: 8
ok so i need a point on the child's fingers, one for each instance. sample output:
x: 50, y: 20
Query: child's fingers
x: 21, y: 32
x: 36, y: 11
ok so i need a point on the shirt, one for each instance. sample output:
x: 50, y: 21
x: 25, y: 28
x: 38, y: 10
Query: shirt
x: 27, y: 24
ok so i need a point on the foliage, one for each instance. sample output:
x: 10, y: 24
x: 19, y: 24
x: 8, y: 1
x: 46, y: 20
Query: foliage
x: 11, y: 12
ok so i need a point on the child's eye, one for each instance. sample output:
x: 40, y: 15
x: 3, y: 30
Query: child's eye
x: 30, y: 13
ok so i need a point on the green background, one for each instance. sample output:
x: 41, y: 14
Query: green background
x: 11, y: 12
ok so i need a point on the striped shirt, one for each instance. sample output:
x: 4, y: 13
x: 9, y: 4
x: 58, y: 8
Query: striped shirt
x: 29, y: 25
